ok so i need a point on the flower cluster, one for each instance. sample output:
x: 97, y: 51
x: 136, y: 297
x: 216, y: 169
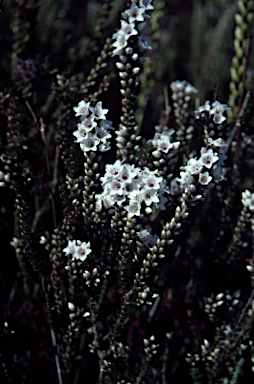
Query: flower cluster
x: 161, y: 142
x: 92, y: 133
x: 124, y: 183
x: 207, y: 161
x: 182, y: 90
x: 77, y: 249
x: 248, y: 199
x: 136, y: 13
x: 215, y: 111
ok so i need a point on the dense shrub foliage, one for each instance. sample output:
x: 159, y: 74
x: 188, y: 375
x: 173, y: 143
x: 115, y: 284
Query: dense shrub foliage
x: 127, y: 192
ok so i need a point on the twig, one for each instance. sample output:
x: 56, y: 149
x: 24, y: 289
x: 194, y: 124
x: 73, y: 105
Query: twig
x: 238, y: 123
x: 245, y: 308
x: 52, y: 333
x: 41, y: 128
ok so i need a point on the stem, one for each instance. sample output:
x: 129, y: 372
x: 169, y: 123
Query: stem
x: 52, y: 333
x: 44, y: 138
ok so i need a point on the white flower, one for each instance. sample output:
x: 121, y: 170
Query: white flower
x: 204, y: 178
x: 161, y: 142
x: 119, y: 199
x: 116, y: 187
x: 208, y: 157
x: 128, y: 29
x: 189, y: 89
x: 150, y: 196
x: 144, y: 233
x: 216, y: 143
x: 81, y: 134
x: 119, y: 44
x: 98, y: 203
x: 82, y: 251
x: 99, y: 112
x: 89, y: 143
x: 185, y: 179
x: 164, y: 145
x: 106, y: 124
x: 146, y: 4
x: 130, y: 187
x: 70, y: 249
x: 217, y: 107
x: 218, y: 118
x: 135, y: 195
x: 82, y: 109
x: 104, y: 147
x: 153, y: 181
x: 194, y: 166
x: 87, y: 123
x: 135, y: 13
x: 114, y: 170
x: 133, y: 209
x: 108, y: 200
x: 216, y: 111
x: 182, y: 86
x: 102, y: 134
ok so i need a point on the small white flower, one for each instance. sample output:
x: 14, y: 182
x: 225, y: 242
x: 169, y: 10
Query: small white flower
x: 70, y: 249
x: 216, y: 143
x: 116, y: 187
x: 102, y: 134
x: 153, y: 181
x: 194, y: 166
x: 114, y: 170
x: 208, y: 157
x: 87, y: 123
x: 81, y: 134
x: 133, y: 209
x: 218, y: 118
x: 150, y: 196
x: 99, y: 112
x: 128, y: 29
x: 146, y: 4
x: 130, y: 187
x: 185, y: 179
x: 217, y: 107
x: 119, y: 44
x: 106, y: 124
x: 82, y: 251
x: 204, y: 178
x: 104, y: 147
x: 89, y: 143
x: 164, y: 145
x: 119, y: 199
x: 82, y: 109
x: 135, y: 13
x: 144, y: 233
